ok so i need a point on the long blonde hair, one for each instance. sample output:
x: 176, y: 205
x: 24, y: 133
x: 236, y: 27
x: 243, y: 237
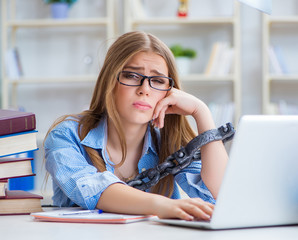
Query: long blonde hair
x: 176, y: 132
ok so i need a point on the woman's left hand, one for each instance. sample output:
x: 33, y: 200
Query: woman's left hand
x: 176, y: 102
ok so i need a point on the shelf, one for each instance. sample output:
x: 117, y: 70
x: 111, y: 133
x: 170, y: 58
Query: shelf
x: 284, y: 78
x: 278, y: 87
x: 281, y: 19
x: 12, y: 21
x: 42, y: 80
x: 57, y: 23
x: 173, y: 21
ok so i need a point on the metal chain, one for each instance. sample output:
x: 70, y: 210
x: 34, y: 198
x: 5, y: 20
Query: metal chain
x: 182, y: 158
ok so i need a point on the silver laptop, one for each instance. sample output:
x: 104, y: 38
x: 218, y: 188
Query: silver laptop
x: 260, y: 186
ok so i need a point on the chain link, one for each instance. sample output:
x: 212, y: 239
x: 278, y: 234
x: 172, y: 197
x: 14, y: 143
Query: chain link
x: 182, y: 158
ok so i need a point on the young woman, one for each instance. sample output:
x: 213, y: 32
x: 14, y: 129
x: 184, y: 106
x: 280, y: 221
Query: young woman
x: 135, y: 120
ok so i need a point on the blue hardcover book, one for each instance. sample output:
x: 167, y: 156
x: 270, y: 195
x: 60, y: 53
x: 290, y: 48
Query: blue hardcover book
x: 23, y: 183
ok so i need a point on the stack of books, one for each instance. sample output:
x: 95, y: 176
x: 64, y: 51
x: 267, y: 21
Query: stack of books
x: 17, y: 135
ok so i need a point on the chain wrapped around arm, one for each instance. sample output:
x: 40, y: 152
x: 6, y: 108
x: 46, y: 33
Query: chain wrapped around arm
x: 182, y: 158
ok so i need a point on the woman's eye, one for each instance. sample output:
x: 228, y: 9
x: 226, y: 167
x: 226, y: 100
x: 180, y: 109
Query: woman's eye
x: 158, y: 80
x: 132, y: 76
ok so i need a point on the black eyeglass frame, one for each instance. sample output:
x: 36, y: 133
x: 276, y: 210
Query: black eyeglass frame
x: 149, y: 80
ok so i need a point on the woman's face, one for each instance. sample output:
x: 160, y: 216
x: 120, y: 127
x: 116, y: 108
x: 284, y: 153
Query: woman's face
x: 136, y: 104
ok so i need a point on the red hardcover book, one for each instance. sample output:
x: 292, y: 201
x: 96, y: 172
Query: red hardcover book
x: 16, y: 121
x: 20, y: 202
x: 15, y: 167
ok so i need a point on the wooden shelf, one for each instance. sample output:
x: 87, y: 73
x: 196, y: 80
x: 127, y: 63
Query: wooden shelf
x: 273, y: 38
x: 175, y: 21
x: 283, y: 19
x: 11, y: 23
x: 206, y: 78
x: 42, y: 80
x: 56, y: 23
x: 284, y: 78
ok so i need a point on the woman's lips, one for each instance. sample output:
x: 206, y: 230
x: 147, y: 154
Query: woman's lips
x: 142, y: 105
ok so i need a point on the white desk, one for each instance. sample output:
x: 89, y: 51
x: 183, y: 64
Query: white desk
x: 25, y: 228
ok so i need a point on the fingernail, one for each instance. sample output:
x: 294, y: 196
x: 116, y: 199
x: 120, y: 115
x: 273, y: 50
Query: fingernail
x: 190, y: 218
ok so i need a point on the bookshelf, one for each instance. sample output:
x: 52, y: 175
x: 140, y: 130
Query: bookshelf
x: 56, y: 81
x: 12, y: 24
x: 280, y: 31
x: 200, y: 30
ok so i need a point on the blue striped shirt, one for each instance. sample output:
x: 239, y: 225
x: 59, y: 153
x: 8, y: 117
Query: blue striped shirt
x: 77, y: 182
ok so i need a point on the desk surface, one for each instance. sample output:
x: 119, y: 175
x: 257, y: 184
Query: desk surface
x: 25, y: 227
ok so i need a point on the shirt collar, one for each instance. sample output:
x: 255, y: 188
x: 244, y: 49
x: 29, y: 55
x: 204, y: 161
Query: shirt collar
x: 148, y: 142
x: 97, y: 138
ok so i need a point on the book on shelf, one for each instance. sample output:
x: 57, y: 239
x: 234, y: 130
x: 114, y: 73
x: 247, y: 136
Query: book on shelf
x: 221, y: 59
x: 12, y: 121
x: 281, y: 60
x: 11, y: 167
x: 14, y: 68
x: 20, y: 202
x: 18, y: 143
x: 212, y: 58
x: 285, y: 108
x: 277, y: 61
x: 226, y: 62
x: 3, y: 187
x: 72, y: 215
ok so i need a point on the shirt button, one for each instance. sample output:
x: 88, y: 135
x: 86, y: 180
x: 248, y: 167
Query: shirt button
x: 143, y: 169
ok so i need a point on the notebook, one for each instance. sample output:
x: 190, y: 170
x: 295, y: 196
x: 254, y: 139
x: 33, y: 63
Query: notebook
x: 260, y: 186
x: 78, y: 215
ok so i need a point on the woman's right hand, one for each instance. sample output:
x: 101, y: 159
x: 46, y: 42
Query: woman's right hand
x: 186, y: 209
x: 120, y: 198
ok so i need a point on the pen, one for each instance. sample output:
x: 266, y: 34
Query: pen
x: 82, y: 212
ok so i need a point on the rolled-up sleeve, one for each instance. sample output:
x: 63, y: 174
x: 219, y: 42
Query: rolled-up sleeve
x: 191, y: 182
x: 75, y: 179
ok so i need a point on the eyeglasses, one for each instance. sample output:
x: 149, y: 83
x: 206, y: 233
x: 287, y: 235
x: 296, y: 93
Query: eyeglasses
x: 160, y: 83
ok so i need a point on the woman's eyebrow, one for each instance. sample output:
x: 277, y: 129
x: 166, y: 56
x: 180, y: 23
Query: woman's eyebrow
x: 157, y: 73
x: 133, y: 68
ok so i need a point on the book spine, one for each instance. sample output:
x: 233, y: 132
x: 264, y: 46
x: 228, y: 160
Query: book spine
x: 13, y: 64
x: 213, y: 54
x: 280, y: 59
x: 276, y: 68
x: 16, y: 125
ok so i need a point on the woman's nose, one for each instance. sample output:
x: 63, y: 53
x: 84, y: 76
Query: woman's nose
x: 145, y: 87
